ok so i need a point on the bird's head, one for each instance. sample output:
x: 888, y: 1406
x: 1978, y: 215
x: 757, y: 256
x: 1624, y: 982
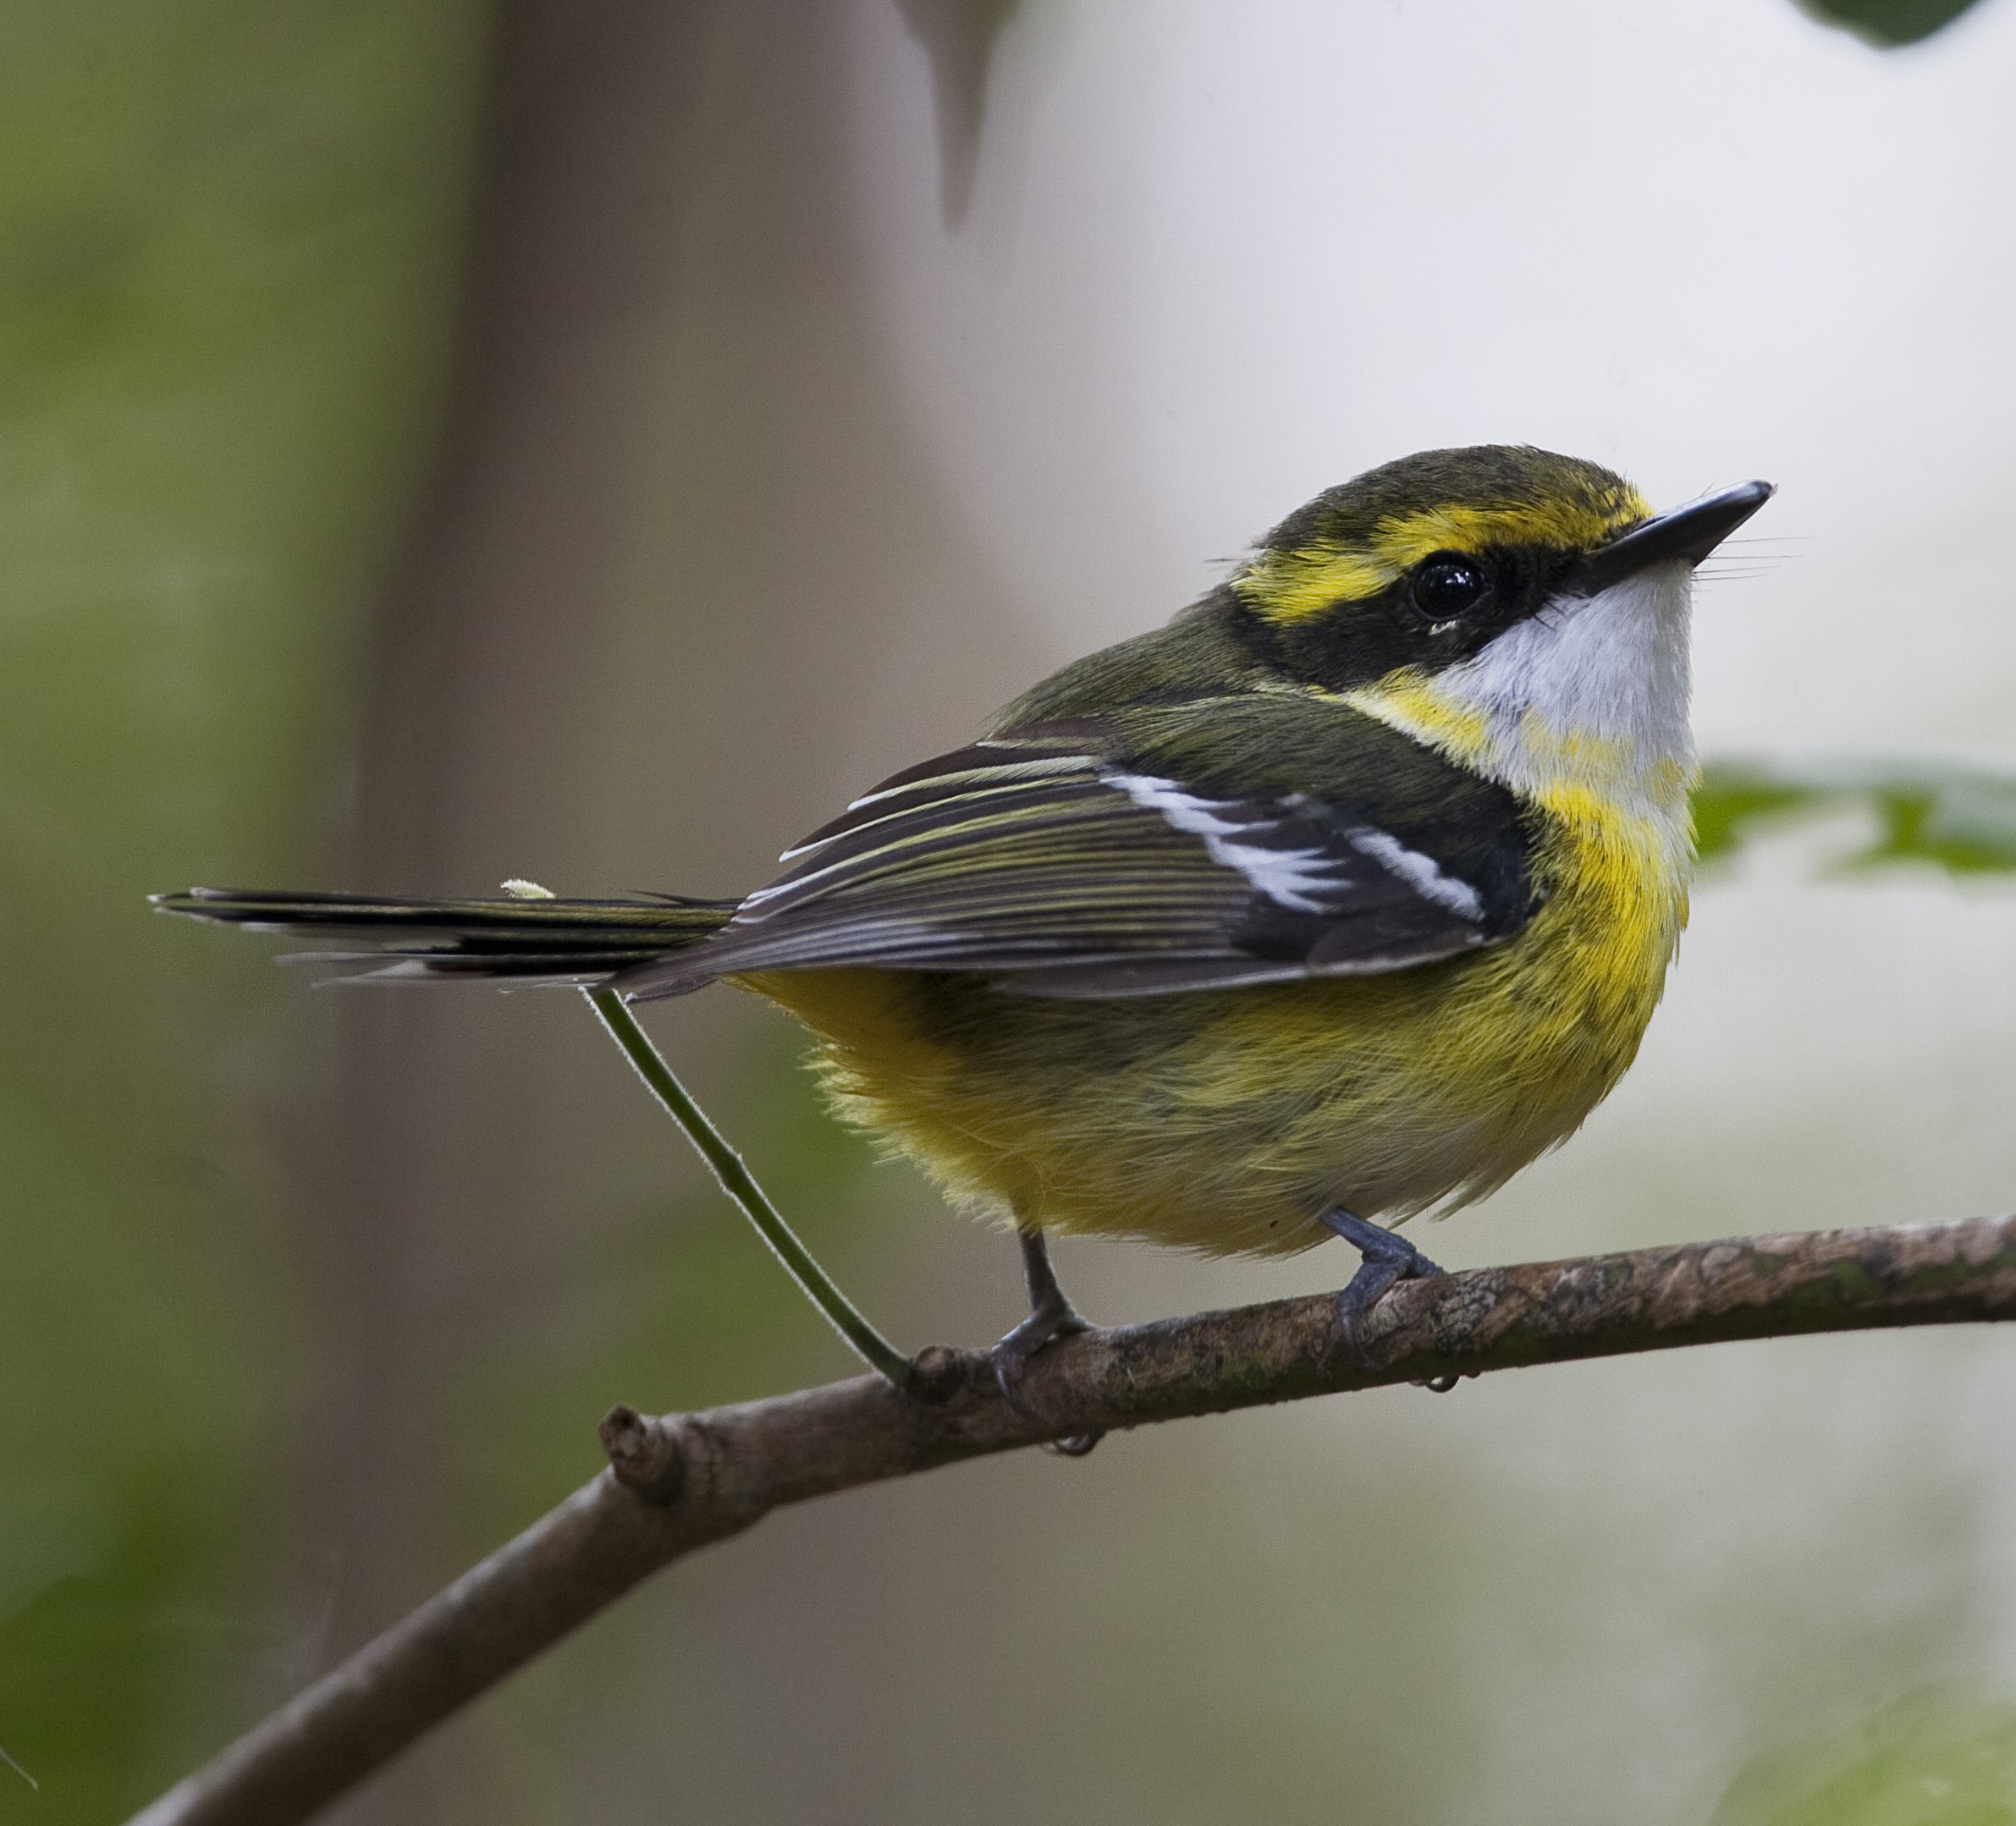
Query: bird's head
x: 1524, y: 611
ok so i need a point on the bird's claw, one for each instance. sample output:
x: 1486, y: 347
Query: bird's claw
x: 1388, y: 1259
x: 1011, y: 1358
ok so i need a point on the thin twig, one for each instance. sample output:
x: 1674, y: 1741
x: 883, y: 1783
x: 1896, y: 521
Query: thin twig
x: 741, y: 1184
x: 680, y: 1482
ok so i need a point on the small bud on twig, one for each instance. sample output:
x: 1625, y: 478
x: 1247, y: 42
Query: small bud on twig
x: 643, y: 1453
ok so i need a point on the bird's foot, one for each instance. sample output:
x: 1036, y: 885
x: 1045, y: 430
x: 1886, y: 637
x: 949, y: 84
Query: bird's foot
x: 1388, y: 1258
x: 1051, y: 1316
x: 1011, y: 1358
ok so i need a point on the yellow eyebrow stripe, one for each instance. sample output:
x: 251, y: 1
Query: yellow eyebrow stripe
x: 1291, y: 586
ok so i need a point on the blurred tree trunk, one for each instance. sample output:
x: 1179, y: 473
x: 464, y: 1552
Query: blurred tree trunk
x: 476, y: 665
x: 681, y: 525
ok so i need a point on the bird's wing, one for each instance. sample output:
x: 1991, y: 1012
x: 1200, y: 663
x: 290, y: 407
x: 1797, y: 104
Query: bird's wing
x: 1247, y: 840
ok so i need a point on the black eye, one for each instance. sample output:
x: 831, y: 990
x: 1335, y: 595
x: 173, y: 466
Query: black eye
x: 1447, y: 586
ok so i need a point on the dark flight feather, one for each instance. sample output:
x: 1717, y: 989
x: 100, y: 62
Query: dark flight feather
x: 530, y: 938
x: 1163, y: 847
x: 1113, y: 856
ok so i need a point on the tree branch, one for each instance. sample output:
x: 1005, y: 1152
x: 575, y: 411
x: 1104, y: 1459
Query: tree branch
x: 678, y: 1482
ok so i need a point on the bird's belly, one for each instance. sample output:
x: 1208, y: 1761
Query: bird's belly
x: 1227, y: 1121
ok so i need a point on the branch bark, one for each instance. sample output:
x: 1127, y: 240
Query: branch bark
x: 678, y: 1482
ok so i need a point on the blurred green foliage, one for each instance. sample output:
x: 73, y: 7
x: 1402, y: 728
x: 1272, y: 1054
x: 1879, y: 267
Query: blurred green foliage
x: 1889, y: 22
x: 229, y: 236
x: 1959, y: 819
x: 1941, y: 1758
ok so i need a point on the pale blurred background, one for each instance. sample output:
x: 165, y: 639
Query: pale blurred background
x: 590, y: 439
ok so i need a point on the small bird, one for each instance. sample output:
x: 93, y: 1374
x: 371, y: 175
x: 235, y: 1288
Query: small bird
x: 1340, y: 898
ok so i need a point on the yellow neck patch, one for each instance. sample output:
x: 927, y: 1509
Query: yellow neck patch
x: 1570, y: 772
x: 1287, y: 587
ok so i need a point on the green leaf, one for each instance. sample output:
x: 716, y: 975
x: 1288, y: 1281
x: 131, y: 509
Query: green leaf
x: 1942, y: 1757
x: 1960, y: 819
x: 1888, y: 23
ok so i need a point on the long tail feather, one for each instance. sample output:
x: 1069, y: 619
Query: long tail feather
x: 531, y: 937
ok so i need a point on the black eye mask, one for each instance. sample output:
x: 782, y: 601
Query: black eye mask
x: 1442, y: 610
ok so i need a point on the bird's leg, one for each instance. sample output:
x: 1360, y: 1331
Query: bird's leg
x: 1052, y: 1316
x: 1387, y: 1258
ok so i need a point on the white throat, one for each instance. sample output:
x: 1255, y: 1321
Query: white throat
x: 1592, y: 692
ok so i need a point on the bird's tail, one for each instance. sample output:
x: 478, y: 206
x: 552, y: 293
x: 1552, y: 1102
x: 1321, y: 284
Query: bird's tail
x: 530, y: 936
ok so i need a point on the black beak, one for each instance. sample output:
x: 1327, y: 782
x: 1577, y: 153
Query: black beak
x: 1687, y: 534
